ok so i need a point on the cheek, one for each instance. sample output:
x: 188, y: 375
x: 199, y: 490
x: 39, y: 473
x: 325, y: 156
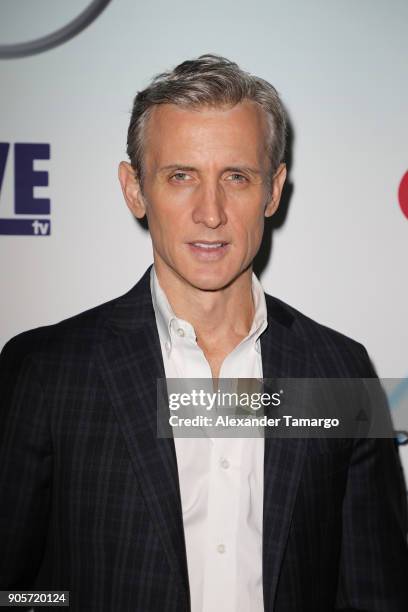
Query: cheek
x: 250, y: 227
x: 256, y: 238
x: 171, y: 206
x: 163, y: 220
x: 166, y: 231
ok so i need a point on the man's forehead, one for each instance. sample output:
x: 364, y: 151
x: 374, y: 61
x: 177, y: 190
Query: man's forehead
x: 242, y: 126
x: 249, y: 108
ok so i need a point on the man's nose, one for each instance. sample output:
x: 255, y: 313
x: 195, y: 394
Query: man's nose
x: 210, y: 206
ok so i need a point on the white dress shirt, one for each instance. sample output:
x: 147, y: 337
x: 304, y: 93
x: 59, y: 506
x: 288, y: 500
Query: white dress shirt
x: 221, y: 479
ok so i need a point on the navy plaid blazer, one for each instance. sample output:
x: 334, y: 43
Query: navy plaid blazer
x: 89, y: 496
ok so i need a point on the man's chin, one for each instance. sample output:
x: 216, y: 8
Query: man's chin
x: 210, y: 282
x: 208, y: 277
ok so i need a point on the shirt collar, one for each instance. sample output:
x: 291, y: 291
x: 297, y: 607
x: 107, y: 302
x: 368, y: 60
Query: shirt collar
x: 166, y: 318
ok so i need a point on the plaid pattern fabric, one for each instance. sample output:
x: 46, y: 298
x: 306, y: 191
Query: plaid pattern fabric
x: 89, y: 496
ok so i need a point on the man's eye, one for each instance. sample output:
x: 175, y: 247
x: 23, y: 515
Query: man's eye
x: 237, y: 178
x: 180, y: 177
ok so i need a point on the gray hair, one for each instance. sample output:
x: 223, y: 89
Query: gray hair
x: 212, y: 81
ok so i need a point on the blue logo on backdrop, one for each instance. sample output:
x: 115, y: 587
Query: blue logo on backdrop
x: 396, y: 398
x: 25, y: 179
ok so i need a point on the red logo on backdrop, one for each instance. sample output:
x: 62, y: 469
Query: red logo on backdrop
x: 403, y: 194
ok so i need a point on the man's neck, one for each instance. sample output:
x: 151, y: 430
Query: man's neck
x: 219, y: 317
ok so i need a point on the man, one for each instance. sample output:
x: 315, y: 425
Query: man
x: 93, y: 501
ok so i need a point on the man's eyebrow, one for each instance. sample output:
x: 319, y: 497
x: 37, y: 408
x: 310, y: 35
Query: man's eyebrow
x: 177, y: 167
x: 226, y: 169
x: 242, y: 169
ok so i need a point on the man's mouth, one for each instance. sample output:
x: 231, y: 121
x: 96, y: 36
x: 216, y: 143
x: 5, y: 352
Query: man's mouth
x: 208, y: 250
x: 208, y: 245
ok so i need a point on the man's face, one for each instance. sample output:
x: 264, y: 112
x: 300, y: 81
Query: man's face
x: 206, y: 191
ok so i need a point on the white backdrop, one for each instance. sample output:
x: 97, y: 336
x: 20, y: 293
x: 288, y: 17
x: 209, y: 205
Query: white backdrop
x: 341, y: 67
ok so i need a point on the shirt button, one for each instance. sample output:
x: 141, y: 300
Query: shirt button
x: 167, y: 346
x: 221, y: 549
x: 225, y: 464
x: 180, y: 332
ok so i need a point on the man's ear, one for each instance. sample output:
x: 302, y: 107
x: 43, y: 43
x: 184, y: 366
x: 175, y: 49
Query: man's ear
x: 131, y: 190
x: 277, y: 187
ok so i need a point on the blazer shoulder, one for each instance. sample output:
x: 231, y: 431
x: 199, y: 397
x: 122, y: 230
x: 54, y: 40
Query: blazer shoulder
x: 82, y: 330
x: 86, y: 329
x: 74, y: 340
x: 338, y: 352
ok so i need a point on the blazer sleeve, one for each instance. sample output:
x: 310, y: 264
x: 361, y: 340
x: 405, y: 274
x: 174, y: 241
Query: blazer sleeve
x: 374, y: 556
x: 25, y: 467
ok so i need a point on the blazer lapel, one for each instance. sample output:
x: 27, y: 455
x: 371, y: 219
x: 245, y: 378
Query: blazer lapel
x: 131, y: 361
x: 284, y: 355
